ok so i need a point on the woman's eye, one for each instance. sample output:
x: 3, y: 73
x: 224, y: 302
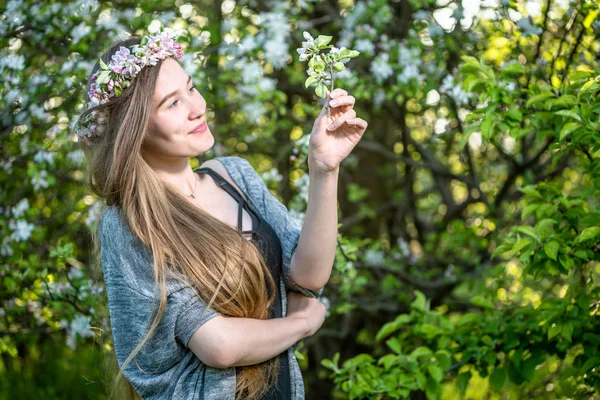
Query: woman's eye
x: 190, y: 89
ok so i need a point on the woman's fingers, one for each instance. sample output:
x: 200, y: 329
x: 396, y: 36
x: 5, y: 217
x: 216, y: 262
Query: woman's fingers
x: 336, y: 93
x: 351, y: 114
x: 342, y: 101
x: 359, y: 122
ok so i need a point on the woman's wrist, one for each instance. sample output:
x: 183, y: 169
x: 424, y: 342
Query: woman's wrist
x: 301, y: 324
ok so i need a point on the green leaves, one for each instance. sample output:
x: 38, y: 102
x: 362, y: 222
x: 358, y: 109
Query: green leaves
x: 528, y: 230
x: 321, y: 90
x: 322, y: 41
x: 568, y: 128
x: 554, y: 330
x: 317, y: 64
x: 420, y: 303
x: 102, y: 64
x: 339, y: 66
x: 589, y: 88
x: 498, y: 378
x: 322, y: 66
x: 462, y: 381
x: 551, y: 249
x: 513, y: 69
x: 569, y: 114
x: 310, y: 80
x: 482, y: 301
x: 332, y: 364
x: 392, y: 327
x: 539, y: 98
x: 436, y: 372
x: 588, y: 234
x: 347, y: 53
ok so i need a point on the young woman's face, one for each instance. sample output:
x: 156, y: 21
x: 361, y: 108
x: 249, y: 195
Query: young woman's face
x: 177, y: 126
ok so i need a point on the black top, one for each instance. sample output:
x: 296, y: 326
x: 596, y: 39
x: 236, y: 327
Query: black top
x: 266, y: 240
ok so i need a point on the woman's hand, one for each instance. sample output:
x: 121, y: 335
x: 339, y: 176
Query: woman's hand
x: 331, y: 141
x: 307, y: 308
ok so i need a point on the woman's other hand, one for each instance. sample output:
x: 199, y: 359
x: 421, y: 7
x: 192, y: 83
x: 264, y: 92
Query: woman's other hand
x: 309, y: 309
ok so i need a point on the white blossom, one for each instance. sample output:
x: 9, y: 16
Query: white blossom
x: 348, y: 76
x: 253, y: 110
x: 21, y: 207
x: 75, y: 273
x: 297, y: 216
x: 39, y: 180
x: 277, y: 52
x: 403, y: 247
x: 409, y: 72
x: 44, y: 156
x: 252, y: 72
x: 374, y: 257
x: 380, y: 68
x: 460, y: 96
x: 248, y: 44
x: 188, y: 63
x: 76, y: 156
x: 302, y: 186
x: 93, y: 213
x: 80, y: 325
x: 379, y: 97
x: 420, y: 15
x: 275, y: 21
x: 410, y: 59
x: 108, y: 21
x: 14, y: 12
x: 365, y: 45
x: 21, y: 230
x: 383, y: 16
x: 267, y: 84
x: 38, y: 112
x: 435, y: 30
x: 67, y: 66
x: 441, y: 125
x: 272, y: 175
x: 167, y: 17
x: 527, y: 28
x: 80, y: 31
x: 509, y: 86
x: 14, y: 62
x: 327, y: 305
x: 11, y: 95
x: 24, y: 144
x: 354, y: 16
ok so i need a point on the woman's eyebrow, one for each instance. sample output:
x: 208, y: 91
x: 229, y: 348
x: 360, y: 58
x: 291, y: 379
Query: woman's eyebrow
x: 173, y: 93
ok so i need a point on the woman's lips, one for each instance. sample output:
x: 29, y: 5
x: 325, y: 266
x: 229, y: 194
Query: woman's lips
x: 199, y: 129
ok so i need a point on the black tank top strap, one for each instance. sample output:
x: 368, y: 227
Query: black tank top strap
x: 233, y: 192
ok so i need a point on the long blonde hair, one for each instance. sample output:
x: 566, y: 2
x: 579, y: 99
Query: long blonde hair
x: 227, y: 270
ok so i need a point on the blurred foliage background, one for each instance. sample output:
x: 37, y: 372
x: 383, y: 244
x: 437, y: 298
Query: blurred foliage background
x: 469, y: 213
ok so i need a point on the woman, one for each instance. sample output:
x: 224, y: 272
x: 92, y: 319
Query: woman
x: 197, y: 267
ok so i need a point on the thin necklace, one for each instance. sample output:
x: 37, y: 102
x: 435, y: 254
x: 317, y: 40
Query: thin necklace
x: 193, y: 194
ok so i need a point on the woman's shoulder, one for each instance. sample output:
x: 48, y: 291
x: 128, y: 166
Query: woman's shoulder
x: 111, y: 220
x: 237, y: 171
x: 113, y: 231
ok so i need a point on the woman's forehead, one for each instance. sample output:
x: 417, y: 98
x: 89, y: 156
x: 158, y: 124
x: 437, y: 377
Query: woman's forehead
x: 170, y: 77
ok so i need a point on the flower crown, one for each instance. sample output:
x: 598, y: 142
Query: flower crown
x: 110, y: 80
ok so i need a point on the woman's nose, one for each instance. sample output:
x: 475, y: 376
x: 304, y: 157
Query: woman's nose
x: 197, y: 108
